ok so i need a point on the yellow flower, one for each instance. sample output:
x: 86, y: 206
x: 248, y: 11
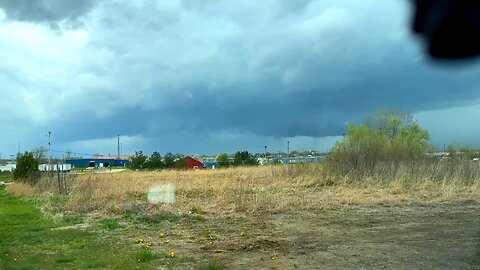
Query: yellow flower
x: 162, y: 235
x: 243, y: 234
x: 172, y: 254
x: 140, y: 241
x: 274, y: 257
x: 166, y: 241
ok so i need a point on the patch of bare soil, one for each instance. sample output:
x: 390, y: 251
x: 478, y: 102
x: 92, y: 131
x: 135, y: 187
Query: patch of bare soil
x: 410, y: 237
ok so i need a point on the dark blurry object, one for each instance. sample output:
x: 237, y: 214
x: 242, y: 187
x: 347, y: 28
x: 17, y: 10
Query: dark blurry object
x: 451, y: 28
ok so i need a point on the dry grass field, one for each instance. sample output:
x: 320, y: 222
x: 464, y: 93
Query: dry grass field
x: 285, y: 217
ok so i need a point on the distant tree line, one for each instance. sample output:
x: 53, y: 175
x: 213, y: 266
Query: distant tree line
x: 240, y: 158
x: 155, y: 161
x: 140, y: 161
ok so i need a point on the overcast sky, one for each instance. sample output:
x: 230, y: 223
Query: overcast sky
x: 210, y: 76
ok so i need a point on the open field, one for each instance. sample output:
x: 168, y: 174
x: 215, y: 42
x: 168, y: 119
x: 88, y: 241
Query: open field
x: 274, y: 218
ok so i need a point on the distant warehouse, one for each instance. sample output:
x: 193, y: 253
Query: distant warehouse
x: 96, y: 162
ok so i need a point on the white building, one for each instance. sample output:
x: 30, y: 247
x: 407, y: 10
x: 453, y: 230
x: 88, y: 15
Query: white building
x: 8, y: 167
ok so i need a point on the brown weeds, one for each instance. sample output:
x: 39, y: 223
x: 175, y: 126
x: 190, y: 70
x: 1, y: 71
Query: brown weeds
x: 263, y: 189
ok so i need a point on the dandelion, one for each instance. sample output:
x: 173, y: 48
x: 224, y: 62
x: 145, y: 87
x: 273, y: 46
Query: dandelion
x: 166, y: 241
x: 171, y: 254
x: 162, y: 235
x: 140, y: 241
x: 243, y: 234
x: 274, y: 257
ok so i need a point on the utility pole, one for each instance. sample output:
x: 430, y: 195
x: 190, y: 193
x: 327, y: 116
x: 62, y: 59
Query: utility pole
x: 288, y: 148
x: 265, y: 153
x: 118, y: 146
x: 49, y: 156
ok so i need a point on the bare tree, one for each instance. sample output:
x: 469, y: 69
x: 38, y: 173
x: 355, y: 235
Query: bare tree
x: 39, y: 154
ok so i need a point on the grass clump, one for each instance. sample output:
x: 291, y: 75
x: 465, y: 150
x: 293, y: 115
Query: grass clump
x: 110, y: 224
x: 73, y: 220
x: 161, y: 216
x: 146, y: 255
x: 211, y: 265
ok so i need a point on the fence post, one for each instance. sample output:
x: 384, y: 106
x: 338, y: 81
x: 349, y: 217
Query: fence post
x: 59, y: 182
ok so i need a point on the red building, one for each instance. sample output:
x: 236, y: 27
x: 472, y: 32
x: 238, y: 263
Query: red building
x: 193, y: 164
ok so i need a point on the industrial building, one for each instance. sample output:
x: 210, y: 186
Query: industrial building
x: 96, y: 162
x: 211, y: 165
x: 8, y: 167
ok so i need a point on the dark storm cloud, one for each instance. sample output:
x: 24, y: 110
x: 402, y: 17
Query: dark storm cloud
x: 318, y: 111
x: 46, y: 11
x: 188, y: 73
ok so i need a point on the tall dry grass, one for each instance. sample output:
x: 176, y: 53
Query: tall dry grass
x: 265, y: 189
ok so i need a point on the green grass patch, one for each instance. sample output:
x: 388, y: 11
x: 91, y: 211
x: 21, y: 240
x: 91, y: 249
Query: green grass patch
x: 146, y: 255
x: 73, y: 220
x: 78, y: 244
x: 28, y: 241
x: 110, y: 224
x: 198, y: 218
x: 6, y: 178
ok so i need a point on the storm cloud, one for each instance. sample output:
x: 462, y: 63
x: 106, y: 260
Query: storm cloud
x: 45, y: 11
x: 211, y: 76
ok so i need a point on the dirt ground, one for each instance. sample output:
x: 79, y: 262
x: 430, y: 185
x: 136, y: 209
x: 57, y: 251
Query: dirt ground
x: 407, y: 237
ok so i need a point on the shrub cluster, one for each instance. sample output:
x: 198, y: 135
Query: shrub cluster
x: 389, y: 139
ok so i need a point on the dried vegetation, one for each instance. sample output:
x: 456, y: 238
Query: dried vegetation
x: 269, y: 189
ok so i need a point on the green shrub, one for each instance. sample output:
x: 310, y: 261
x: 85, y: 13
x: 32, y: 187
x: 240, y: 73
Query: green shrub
x: 387, y: 139
x: 27, y: 169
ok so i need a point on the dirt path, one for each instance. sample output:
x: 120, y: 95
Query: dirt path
x: 446, y: 237
x: 409, y: 238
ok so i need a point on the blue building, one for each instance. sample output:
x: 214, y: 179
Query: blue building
x: 96, y: 162
x: 211, y: 165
